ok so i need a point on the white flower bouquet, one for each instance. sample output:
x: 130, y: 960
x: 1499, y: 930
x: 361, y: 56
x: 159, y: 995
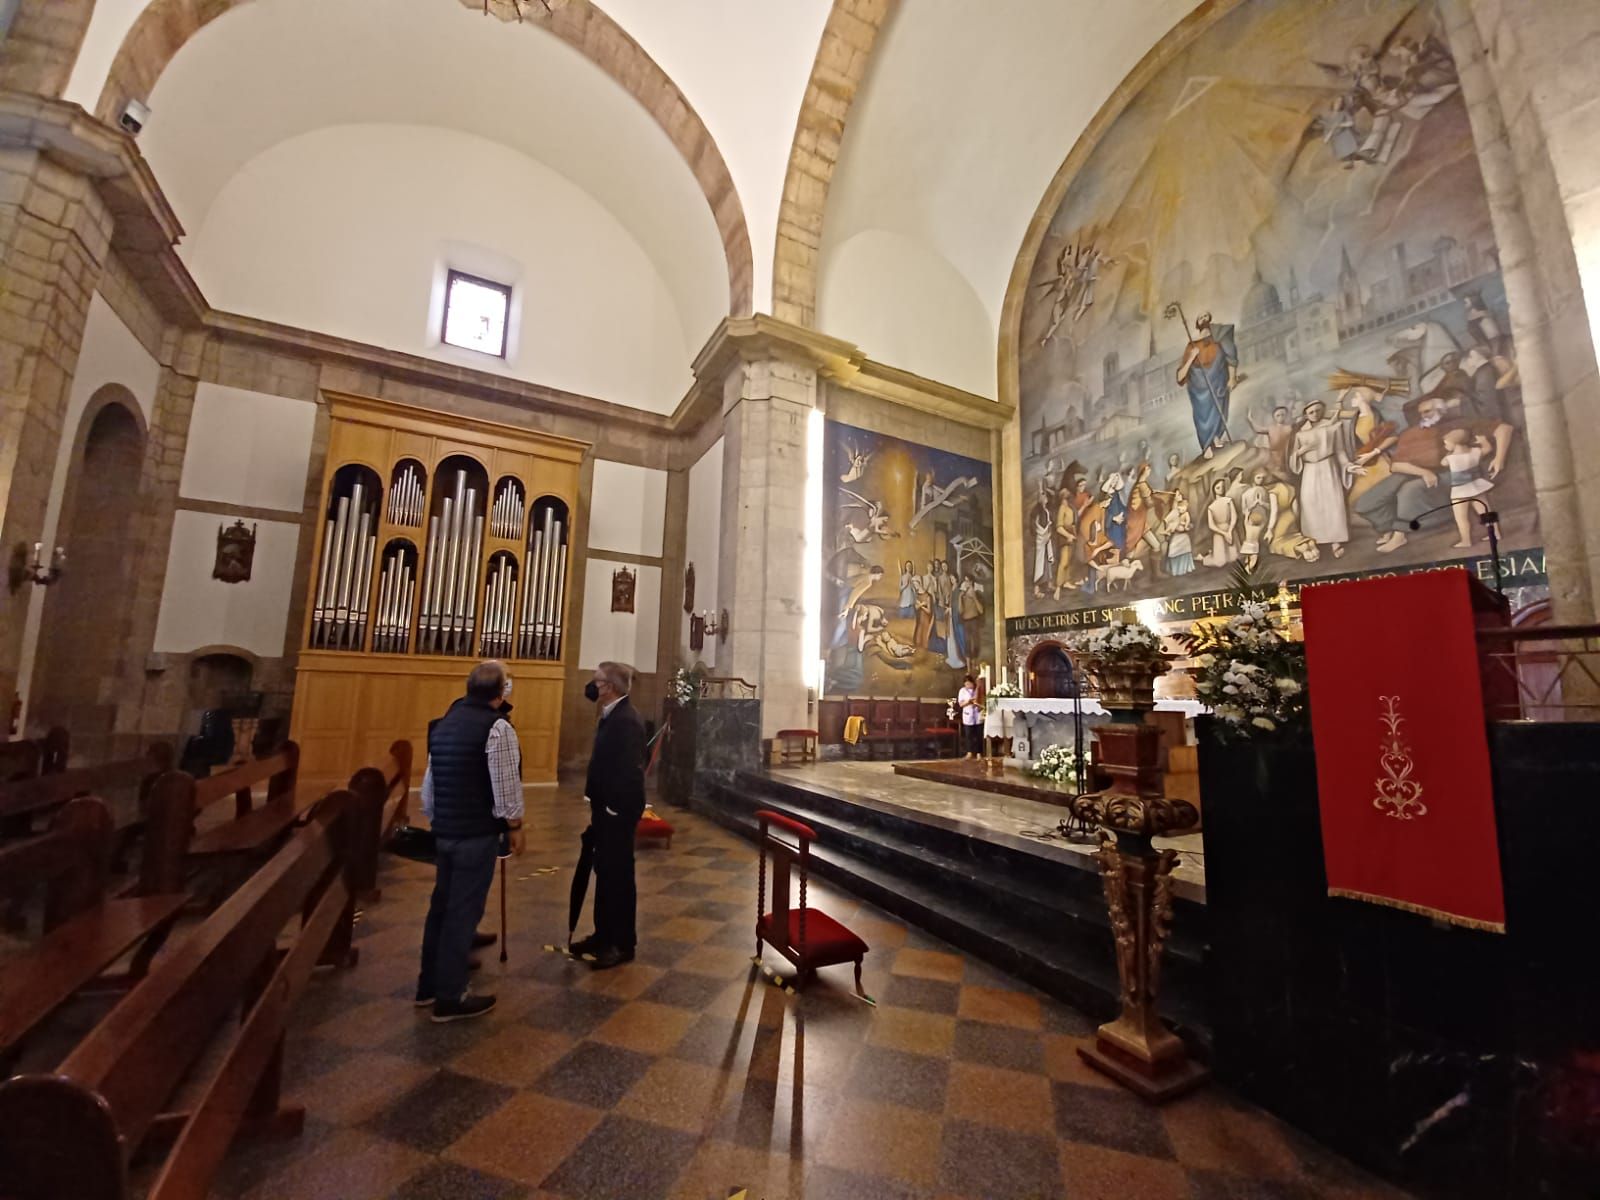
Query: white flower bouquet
x: 1251, y: 672
x: 1059, y: 764
x: 1000, y: 691
x: 1117, y: 644
x: 685, y: 686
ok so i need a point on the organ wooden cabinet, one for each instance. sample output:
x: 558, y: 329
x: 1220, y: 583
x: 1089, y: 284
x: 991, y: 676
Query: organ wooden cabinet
x: 442, y: 540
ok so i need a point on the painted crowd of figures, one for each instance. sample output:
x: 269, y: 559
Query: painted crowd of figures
x: 1301, y: 485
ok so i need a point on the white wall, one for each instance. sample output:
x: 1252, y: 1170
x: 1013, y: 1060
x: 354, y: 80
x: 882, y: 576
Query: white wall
x: 620, y: 637
x: 702, y: 538
x: 909, y: 308
x: 627, y: 508
x: 349, y: 229
x: 109, y: 354
x: 197, y: 610
x: 248, y: 448
x: 108, y: 26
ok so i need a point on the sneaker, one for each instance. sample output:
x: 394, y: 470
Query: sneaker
x: 464, y: 1009
x: 609, y: 957
x: 480, y: 940
x: 588, y: 945
x: 424, y: 998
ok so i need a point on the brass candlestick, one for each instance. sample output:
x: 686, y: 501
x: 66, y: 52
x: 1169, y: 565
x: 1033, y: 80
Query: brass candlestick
x: 1137, y: 1049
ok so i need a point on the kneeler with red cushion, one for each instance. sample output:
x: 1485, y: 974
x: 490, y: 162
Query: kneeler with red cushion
x: 807, y: 937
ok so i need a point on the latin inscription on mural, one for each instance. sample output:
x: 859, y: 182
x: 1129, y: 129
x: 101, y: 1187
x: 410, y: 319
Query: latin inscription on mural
x: 1267, y: 324
x: 908, y: 571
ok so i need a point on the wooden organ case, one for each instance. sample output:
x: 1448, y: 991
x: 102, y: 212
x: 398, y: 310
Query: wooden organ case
x: 444, y: 540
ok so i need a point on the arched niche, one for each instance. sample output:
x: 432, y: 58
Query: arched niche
x: 1049, y: 672
x: 83, y: 632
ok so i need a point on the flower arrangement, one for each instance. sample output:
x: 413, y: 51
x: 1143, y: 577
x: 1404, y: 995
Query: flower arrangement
x: 1252, y: 672
x: 1000, y: 691
x: 1118, y: 643
x: 1059, y: 764
x: 685, y: 686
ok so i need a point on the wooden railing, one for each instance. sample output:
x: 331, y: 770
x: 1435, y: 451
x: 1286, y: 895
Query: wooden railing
x: 1542, y: 673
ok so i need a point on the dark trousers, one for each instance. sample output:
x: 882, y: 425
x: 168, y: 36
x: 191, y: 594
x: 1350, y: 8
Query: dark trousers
x: 972, y: 739
x: 464, y: 869
x: 615, y: 896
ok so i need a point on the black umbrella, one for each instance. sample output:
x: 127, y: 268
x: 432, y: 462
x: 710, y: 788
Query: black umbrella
x: 580, y: 881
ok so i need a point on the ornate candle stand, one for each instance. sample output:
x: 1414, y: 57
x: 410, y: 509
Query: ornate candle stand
x: 1137, y: 1049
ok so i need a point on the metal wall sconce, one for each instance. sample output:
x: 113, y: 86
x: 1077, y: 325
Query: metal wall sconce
x: 703, y: 625
x: 24, y: 570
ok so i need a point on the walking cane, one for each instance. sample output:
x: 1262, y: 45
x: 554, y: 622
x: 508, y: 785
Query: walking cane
x: 503, y: 858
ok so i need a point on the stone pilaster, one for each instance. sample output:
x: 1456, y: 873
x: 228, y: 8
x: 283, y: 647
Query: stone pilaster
x: 1527, y: 77
x: 39, y: 49
x: 761, y: 560
x: 55, y: 232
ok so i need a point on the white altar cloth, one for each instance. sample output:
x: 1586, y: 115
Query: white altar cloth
x: 1032, y: 723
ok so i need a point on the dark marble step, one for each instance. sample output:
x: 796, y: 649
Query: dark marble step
x: 1016, y: 899
x: 1070, y: 959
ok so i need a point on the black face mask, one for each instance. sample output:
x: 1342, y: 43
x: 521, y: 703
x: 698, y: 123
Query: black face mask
x: 591, y: 692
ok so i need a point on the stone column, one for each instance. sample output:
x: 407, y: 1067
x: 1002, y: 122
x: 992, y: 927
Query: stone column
x: 767, y: 405
x: 38, y: 50
x: 55, y: 232
x: 1527, y: 78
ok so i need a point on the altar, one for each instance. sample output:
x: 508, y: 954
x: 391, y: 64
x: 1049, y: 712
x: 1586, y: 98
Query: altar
x: 1034, y: 723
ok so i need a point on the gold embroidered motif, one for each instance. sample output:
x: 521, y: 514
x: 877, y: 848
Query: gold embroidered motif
x: 1399, y: 795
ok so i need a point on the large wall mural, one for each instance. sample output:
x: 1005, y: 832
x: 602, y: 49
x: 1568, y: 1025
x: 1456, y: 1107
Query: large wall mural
x: 1267, y: 324
x: 907, y: 581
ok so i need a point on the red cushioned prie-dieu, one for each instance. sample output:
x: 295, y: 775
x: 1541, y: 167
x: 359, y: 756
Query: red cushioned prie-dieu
x: 827, y: 941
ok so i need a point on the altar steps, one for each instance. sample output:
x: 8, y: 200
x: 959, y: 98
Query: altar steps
x: 1035, y: 916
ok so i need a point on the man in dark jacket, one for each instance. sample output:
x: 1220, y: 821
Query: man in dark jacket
x: 615, y: 792
x: 472, y: 797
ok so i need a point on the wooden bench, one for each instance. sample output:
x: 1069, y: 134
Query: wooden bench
x: 84, y: 931
x: 255, y: 829
x: 794, y: 746
x: 73, y: 1132
x: 23, y: 801
x: 383, y: 793
x: 28, y: 758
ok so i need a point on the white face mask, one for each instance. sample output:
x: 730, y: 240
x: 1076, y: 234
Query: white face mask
x: 505, y: 689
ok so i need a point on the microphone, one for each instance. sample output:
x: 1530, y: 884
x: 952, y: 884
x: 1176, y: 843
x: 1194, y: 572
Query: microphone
x: 1491, y: 523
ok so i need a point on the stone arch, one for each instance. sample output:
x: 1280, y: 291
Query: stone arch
x: 165, y: 26
x: 39, y: 49
x: 848, y: 37
x: 82, y: 635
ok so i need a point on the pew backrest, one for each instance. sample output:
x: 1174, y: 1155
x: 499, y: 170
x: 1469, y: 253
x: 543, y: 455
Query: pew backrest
x: 381, y: 801
x: 72, y: 1132
x: 279, y: 771
x: 70, y: 861
x: 28, y: 797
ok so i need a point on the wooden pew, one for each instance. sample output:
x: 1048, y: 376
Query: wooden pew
x: 254, y: 829
x: 24, y: 800
x: 26, y: 758
x: 73, y: 1132
x: 382, y: 792
x: 84, y: 931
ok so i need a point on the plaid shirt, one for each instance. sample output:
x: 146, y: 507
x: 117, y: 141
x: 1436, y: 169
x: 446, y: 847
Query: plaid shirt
x: 505, y: 774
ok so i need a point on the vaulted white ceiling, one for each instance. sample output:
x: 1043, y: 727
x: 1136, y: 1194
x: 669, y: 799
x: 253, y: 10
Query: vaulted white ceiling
x: 967, y: 113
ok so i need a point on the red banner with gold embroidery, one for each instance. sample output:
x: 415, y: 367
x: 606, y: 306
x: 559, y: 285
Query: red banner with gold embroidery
x: 1402, y: 753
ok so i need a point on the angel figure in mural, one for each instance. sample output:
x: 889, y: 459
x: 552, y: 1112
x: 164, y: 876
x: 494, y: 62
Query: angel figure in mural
x: 858, y: 464
x: 873, y: 522
x: 1381, y: 89
x: 1072, y: 289
x: 931, y: 496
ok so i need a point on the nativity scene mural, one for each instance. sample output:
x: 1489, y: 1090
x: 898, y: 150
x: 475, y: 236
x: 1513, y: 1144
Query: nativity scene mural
x: 1267, y: 323
x: 908, y: 567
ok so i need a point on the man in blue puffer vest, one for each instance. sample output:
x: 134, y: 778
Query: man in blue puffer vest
x: 472, y: 797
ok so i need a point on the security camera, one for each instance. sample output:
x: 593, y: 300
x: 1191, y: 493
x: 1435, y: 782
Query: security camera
x: 134, y: 115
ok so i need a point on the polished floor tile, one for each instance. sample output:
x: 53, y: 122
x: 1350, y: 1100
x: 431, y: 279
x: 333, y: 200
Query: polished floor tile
x: 687, y: 1075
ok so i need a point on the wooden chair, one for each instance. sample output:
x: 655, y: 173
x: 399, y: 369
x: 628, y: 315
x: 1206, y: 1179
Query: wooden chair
x: 883, y: 728
x: 84, y: 931
x: 807, y: 937
x: 791, y: 746
x: 74, y: 1131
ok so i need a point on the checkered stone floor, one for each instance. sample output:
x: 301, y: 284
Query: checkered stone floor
x: 685, y: 1074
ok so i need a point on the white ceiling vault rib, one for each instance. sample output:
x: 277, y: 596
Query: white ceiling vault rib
x: 267, y: 72
x: 957, y: 132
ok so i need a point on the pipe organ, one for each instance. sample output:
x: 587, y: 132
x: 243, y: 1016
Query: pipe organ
x: 442, y: 540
